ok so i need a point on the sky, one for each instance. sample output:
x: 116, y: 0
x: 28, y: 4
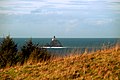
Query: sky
x: 60, y: 18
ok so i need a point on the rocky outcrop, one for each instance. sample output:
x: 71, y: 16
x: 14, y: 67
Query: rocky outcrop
x: 54, y: 43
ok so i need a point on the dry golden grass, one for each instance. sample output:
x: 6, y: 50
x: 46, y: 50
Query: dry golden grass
x: 100, y: 65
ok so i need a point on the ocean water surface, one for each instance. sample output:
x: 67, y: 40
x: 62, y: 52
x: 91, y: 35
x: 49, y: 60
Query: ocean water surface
x: 70, y: 45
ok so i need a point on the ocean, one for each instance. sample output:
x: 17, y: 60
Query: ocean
x: 71, y: 44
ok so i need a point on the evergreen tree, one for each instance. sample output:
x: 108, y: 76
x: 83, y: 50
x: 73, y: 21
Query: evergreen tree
x: 26, y: 49
x: 32, y: 52
x: 8, y: 51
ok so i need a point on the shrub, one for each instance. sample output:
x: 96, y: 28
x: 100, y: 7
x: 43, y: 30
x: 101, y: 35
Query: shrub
x: 26, y: 50
x: 33, y: 53
x: 9, y: 54
x: 8, y: 51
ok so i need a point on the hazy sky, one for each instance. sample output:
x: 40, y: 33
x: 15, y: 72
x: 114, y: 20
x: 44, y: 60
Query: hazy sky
x: 62, y: 18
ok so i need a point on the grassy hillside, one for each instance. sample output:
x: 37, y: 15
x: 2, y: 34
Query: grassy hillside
x: 93, y: 66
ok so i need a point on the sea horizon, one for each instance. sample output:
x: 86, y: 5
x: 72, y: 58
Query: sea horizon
x: 70, y: 44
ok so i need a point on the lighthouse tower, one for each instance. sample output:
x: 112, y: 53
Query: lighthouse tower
x: 53, y: 38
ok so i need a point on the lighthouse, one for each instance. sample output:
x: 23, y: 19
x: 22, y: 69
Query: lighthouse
x: 55, y: 43
x: 53, y: 38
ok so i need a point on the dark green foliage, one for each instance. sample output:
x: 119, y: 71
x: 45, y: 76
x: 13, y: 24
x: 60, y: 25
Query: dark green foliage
x: 8, y: 51
x: 20, y: 58
x: 33, y: 53
x: 9, y: 55
x: 27, y: 48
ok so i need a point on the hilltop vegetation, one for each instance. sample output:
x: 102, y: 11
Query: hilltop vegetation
x: 35, y: 63
x: 11, y: 56
x: 100, y: 65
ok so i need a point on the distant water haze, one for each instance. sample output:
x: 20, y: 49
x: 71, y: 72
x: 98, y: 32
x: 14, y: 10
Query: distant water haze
x: 63, y: 18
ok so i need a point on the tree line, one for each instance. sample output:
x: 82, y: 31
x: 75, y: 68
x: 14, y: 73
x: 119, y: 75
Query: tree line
x: 29, y: 52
